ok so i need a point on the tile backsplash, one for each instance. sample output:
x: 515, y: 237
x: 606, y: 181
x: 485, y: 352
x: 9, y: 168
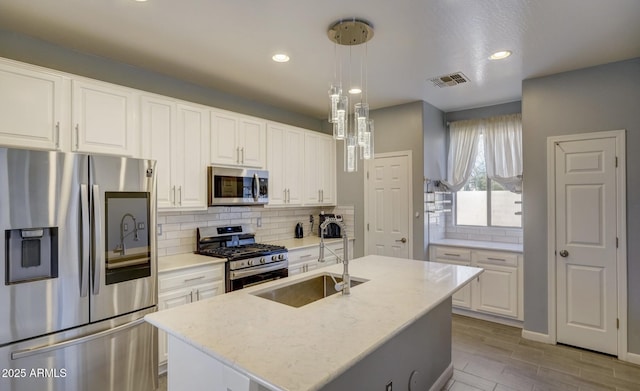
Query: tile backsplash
x: 442, y: 227
x: 179, y: 228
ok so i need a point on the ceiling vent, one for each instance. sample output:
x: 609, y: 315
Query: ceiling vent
x: 449, y: 80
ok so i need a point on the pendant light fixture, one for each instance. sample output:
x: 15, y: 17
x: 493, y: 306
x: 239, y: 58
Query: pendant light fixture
x: 358, y: 138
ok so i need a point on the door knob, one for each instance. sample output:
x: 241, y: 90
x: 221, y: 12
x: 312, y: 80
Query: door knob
x: 403, y: 240
x: 564, y: 253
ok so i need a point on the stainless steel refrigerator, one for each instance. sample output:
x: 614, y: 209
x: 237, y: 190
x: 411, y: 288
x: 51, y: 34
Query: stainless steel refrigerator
x: 78, y: 272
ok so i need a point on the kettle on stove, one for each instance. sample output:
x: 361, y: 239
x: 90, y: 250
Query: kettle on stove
x: 299, y: 233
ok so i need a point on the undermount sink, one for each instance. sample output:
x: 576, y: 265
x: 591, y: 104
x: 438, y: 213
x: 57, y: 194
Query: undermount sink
x: 305, y: 291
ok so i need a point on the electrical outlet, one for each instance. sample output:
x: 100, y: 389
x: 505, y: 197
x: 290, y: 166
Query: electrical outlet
x: 259, y: 221
x: 389, y: 386
x: 311, y: 218
x: 159, y: 230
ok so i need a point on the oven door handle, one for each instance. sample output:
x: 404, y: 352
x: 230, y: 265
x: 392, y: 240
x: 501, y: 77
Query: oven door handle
x: 236, y: 274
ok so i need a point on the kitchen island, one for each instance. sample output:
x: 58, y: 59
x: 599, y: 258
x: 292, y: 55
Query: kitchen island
x: 395, y: 327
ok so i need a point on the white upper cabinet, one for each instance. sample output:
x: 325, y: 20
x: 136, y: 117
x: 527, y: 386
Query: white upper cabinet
x: 158, y: 121
x: 320, y: 169
x: 103, y: 118
x: 192, y: 156
x: 33, y: 107
x: 176, y: 135
x: 285, y: 148
x: 237, y: 140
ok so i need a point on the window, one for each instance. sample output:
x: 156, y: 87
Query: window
x: 483, y: 202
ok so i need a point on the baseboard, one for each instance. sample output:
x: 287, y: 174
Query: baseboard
x: 443, y: 379
x: 538, y: 337
x: 633, y: 358
x: 487, y: 317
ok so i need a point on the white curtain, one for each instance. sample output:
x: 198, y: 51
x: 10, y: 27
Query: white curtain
x: 503, y: 150
x: 463, y: 148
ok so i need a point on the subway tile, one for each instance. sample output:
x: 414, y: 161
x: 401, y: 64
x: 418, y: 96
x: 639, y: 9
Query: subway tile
x: 170, y: 227
x: 168, y: 243
x: 180, y: 218
x: 179, y: 234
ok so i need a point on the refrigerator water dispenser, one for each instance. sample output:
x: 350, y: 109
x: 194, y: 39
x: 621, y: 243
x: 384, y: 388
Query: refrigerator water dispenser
x: 31, y: 254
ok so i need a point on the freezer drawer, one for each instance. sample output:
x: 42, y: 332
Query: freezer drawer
x: 118, y: 354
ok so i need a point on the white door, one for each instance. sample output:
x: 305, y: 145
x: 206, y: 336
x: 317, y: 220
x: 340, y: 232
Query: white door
x: 586, y: 255
x: 389, y: 207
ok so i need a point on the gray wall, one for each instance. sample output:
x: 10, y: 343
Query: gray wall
x: 485, y: 112
x: 397, y: 128
x: 26, y: 49
x: 600, y: 98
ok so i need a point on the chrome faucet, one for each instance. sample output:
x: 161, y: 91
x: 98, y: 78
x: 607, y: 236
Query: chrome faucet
x: 345, y: 284
x: 120, y: 248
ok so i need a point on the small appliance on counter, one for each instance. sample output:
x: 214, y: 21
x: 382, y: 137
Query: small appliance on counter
x: 299, y: 234
x: 332, y: 230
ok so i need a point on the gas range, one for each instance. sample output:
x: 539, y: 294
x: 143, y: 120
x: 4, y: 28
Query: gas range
x: 248, y: 262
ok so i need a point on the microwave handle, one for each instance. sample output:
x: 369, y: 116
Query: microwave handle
x: 255, y: 188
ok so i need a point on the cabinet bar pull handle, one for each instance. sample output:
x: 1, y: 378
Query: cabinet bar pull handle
x: 496, y: 259
x: 191, y: 296
x: 77, y: 136
x: 452, y: 255
x: 198, y: 295
x: 58, y: 135
x: 242, y: 152
x: 173, y: 191
x: 306, y: 256
x: 180, y: 194
x: 193, y: 279
x: 237, y: 154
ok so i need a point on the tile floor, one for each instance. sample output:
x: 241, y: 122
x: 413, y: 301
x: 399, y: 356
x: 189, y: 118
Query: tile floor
x: 493, y: 357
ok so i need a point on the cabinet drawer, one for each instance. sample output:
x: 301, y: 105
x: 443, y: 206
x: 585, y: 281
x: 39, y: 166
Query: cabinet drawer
x: 496, y: 258
x: 453, y: 253
x: 304, y: 255
x: 189, y: 277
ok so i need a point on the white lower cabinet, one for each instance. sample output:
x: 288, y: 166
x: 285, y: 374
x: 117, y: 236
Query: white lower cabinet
x: 305, y: 259
x: 497, y: 291
x: 183, y: 286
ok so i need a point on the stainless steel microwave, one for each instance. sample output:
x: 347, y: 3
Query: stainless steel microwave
x: 237, y: 186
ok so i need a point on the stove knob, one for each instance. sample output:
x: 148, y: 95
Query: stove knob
x: 250, y: 262
x: 274, y: 257
x: 262, y: 260
x: 281, y: 257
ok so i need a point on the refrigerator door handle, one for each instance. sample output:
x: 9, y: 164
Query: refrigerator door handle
x: 84, y: 276
x: 98, y: 253
x: 70, y: 342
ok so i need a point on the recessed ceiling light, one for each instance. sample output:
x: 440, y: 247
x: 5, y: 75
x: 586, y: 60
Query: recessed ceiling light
x: 500, y: 55
x: 280, y: 57
x: 355, y: 90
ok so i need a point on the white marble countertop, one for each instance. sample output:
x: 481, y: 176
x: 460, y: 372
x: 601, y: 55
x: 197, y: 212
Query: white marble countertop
x: 307, y: 241
x: 287, y: 348
x: 179, y: 261
x: 479, y: 244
